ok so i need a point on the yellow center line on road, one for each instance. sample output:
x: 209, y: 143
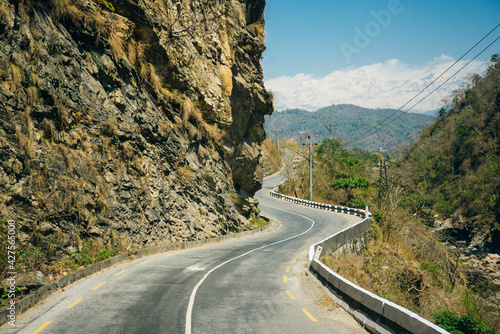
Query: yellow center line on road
x: 79, y: 300
x: 287, y: 269
x: 120, y: 272
x: 285, y: 279
x: 42, y: 327
x: 294, y: 260
x: 146, y: 261
x: 97, y: 287
x: 304, y: 252
x: 290, y: 294
x: 309, y: 315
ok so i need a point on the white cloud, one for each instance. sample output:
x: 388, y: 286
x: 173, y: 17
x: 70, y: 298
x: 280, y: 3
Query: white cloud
x: 381, y: 85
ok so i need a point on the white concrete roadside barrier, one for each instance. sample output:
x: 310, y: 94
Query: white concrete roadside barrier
x: 376, y: 314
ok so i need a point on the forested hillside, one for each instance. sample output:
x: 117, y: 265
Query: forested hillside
x: 453, y: 170
x: 351, y: 121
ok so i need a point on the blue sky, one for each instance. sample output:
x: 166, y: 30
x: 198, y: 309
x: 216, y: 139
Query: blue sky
x: 308, y: 41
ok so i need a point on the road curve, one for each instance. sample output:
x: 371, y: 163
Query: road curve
x: 250, y: 285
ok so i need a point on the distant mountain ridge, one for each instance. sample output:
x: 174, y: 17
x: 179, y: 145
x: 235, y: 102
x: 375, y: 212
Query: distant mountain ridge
x: 351, y: 120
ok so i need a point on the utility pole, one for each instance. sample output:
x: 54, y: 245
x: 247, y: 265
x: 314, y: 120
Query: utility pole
x: 308, y: 136
x: 330, y: 127
x: 276, y: 133
x: 317, y: 137
x: 310, y: 170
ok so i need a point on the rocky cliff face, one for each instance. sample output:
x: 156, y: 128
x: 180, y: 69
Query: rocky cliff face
x: 129, y: 122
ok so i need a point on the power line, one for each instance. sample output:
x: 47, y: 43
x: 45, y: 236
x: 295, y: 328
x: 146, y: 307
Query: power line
x: 381, y: 127
x: 443, y: 82
x: 369, y: 132
x: 421, y: 132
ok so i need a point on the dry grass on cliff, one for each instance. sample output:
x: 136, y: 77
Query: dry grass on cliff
x: 62, y: 113
x: 116, y: 44
x: 109, y: 128
x: 25, y: 144
x: 185, y: 173
x: 16, y: 76
x: 98, y: 23
x: 190, y: 111
x: 132, y: 53
x: 70, y: 11
x: 213, y: 131
x: 66, y: 9
x: 4, y: 12
x: 128, y: 151
x: 260, y: 30
x: 32, y: 95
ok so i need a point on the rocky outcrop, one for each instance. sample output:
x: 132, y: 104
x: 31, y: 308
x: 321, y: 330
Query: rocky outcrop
x: 129, y: 122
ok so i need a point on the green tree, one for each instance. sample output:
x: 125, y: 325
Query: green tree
x: 346, y: 169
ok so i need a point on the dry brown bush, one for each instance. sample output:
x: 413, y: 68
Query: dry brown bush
x: 16, y: 76
x: 32, y: 93
x: 164, y: 127
x: 102, y: 30
x: 3, y: 141
x: 67, y: 10
x: 128, y: 150
x: 117, y: 48
x: 192, y: 131
x: 35, y: 79
x: 4, y: 13
x: 259, y: 30
x: 49, y: 129
x: 144, y: 71
x: 132, y: 53
x: 189, y: 110
x: 154, y: 79
x: 62, y: 113
x: 37, y: 50
x: 25, y: 144
x: 184, y: 173
x: 109, y: 128
x: 213, y: 131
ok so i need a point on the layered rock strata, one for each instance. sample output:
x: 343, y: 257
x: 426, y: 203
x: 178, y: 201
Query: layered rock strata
x: 129, y: 122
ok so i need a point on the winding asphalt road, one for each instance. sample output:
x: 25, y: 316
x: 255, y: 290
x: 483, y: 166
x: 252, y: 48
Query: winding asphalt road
x: 254, y: 284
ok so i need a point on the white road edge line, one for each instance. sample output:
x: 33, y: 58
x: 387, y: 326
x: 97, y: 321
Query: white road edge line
x: 189, y: 313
